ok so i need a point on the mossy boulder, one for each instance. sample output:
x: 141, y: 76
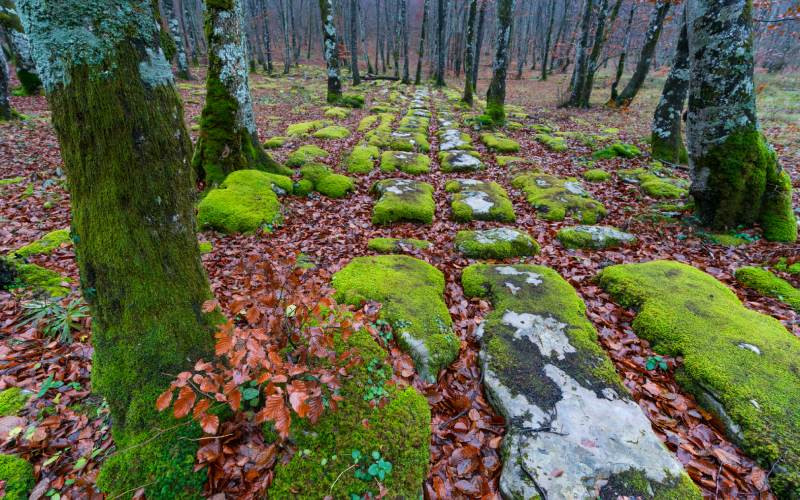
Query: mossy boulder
x: 367, y: 122
x: 596, y: 175
x: 12, y: 400
x: 509, y: 161
x: 45, y: 245
x: 15, y: 273
x: 554, y: 198
x: 597, y: 237
x: 275, y: 142
x: 497, y: 243
x: 244, y: 202
x: 410, y: 163
x: 767, y: 283
x: 617, y: 150
x: 326, y: 181
x: 552, y: 142
x: 478, y: 200
x: 361, y: 159
x: 304, y: 128
x: 305, y: 154
x: 332, y: 132
x: 460, y: 161
x: 784, y: 266
x: 454, y: 139
x: 656, y: 182
x: 412, y: 294
x: 337, y: 112
x: 18, y: 477
x: 396, y: 245
x: 409, y: 141
x: 351, y: 101
x: 741, y: 365
x: 543, y: 368
x: 499, y: 142
x: 403, y: 200
x: 728, y: 240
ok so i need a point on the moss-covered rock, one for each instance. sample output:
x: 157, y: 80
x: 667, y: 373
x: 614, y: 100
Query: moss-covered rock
x: 498, y: 243
x: 740, y: 365
x: 305, y: 154
x: 617, y: 150
x: 597, y: 237
x: 499, y: 142
x: 351, y: 101
x: 411, y: 292
x: 596, y: 175
x: 332, y: 132
x: 785, y: 266
x: 509, y: 161
x: 460, y: 161
x: 244, y: 202
x: 361, y: 159
x: 45, y: 245
x: 367, y: 122
x: 18, y: 477
x: 566, y: 408
x: 552, y: 142
x: 403, y: 200
x: 275, y: 142
x: 11, y: 180
x: 337, y: 112
x: 301, y: 129
x: 327, y: 182
x: 40, y: 278
x: 766, y: 283
x: 656, y: 182
x: 12, y: 400
x: 396, y: 245
x: 478, y: 200
x: 205, y: 247
x: 555, y: 198
x: 454, y: 139
x: 728, y: 240
x: 408, y: 141
x: 410, y: 163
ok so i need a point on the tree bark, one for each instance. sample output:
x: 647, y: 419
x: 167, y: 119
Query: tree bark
x: 363, y: 34
x: 440, y: 45
x: 20, y: 49
x: 175, y: 31
x: 267, y: 40
x: 287, y: 53
x: 666, y: 137
x: 421, y: 49
x: 496, y: 95
x: 548, y: 34
x: 623, y: 55
x: 479, y: 43
x: 379, y: 38
x: 578, y: 80
x: 398, y: 34
x: 354, y: 42
x: 329, y: 48
x: 6, y: 112
x: 404, y: 21
x: 736, y: 177
x: 604, y: 20
x: 469, y: 89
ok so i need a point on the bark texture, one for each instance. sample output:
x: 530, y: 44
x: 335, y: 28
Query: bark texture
x: 5, y: 104
x: 666, y: 137
x: 578, y: 80
x: 469, y: 88
x: 175, y: 31
x: 441, y: 47
x: 329, y: 51
x: 479, y: 43
x: 421, y: 48
x: 496, y: 96
x: 21, y: 48
x: 354, y: 42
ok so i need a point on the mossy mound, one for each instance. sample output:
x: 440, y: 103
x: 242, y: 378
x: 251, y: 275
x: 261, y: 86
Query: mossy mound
x: 767, y: 283
x: 305, y: 154
x: 552, y: 142
x: 337, y: 112
x: 399, y: 430
x: 18, y: 477
x: 18, y: 274
x: 411, y: 292
x: 12, y: 400
x: 45, y: 245
x: 543, y: 368
x: 596, y: 175
x: 784, y: 266
x: 396, y: 245
x: 478, y: 200
x: 617, y: 150
x: 597, y: 237
x: 728, y: 240
x: 275, y: 142
x: 10, y: 181
x: 555, y: 198
x: 509, y: 161
x: 460, y: 161
x: 367, y: 122
x: 499, y: 142
x: 205, y: 247
x: 351, y: 101
x: 244, y: 202
x: 656, y: 182
x: 326, y: 182
x: 332, y: 132
x: 410, y: 163
x: 408, y: 141
x: 361, y: 159
x: 301, y: 129
x: 740, y: 365
x: 403, y: 200
x: 454, y: 139
x: 498, y: 243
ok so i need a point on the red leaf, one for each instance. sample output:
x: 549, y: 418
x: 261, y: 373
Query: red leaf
x: 163, y: 401
x: 184, y: 403
x: 209, y: 423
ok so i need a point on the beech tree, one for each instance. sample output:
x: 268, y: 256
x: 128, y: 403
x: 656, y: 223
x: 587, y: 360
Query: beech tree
x: 421, y: 48
x: 404, y: 22
x: 496, y: 95
x: 736, y: 177
x: 126, y: 152
x: 441, y: 48
x: 329, y: 51
x: 175, y: 31
x: 666, y: 137
x: 20, y: 48
x: 354, y: 42
x: 479, y: 43
x: 577, y: 83
x: 469, y: 88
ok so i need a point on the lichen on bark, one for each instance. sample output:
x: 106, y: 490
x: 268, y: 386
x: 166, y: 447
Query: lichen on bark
x: 666, y: 138
x: 496, y: 95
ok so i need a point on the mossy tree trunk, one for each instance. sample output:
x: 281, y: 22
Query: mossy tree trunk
x: 496, y: 95
x: 329, y: 51
x: 228, y: 136
x: 736, y: 177
x: 175, y: 31
x: 469, y: 89
x: 404, y: 21
x: 5, y: 105
x: 421, y: 47
x: 126, y: 151
x: 479, y: 44
x: 441, y: 9
x: 21, y: 48
x: 666, y: 137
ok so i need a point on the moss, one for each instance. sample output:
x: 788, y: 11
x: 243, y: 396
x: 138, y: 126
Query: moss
x: 728, y: 240
x: 408, y: 141
x: 403, y: 200
x: 656, y: 183
x: 326, y: 182
x: 395, y: 245
x: 362, y: 159
x: 555, y: 198
x: 785, y: 267
x: 275, y: 142
x: 305, y: 154
x: 45, y: 245
x: 460, y: 161
x: 665, y: 150
x: 244, y: 202
x: 304, y: 128
x: 509, y: 161
x: 12, y: 180
x: 40, y: 278
x: 596, y: 175
x: 12, y: 400
x: 596, y: 237
x: 398, y: 430
x: 336, y: 112
x: 350, y: 101
x: 332, y: 132
x: 767, y: 283
x: 411, y: 292
x: 367, y: 122
x: 740, y: 364
x: 303, y: 187
x: 500, y: 243
x: 617, y: 150
x: 544, y: 129
x: 499, y: 142
x: 477, y: 200
x: 205, y: 247
x: 410, y: 163
x: 553, y: 143
x: 18, y: 477
x: 632, y: 482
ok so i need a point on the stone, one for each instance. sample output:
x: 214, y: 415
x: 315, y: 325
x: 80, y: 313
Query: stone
x: 478, y: 200
x: 656, y: 182
x: 500, y: 142
x: 554, y: 198
x: 497, y: 243
x: 460, y: 161
x: 454, y: 139
x: 408, y: 162
x: 403, y: 200
x: 597, y: 237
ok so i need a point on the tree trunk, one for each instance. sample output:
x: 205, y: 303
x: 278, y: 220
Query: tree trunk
x: 329, y: 48
x: 479, y: 44
x: 469, y: 89
x: 228, y: 136
x: 421, y: 49
x: 354, y: 42
x: 548, y: 34
x: 175, y: 30
x: 126, y: 150
x: 379, y: 38
x: 189, y: 30
x: 440, y: 46
x: 522, y: 49
x: 578, y: 81
x: 666, y: 137
x: 643, y: 64
x: 362, y: 31
x: 496, y: 95
x: 5, y: 105
x: 20, y: 49
x: 398, y: 34
x: 600, y: 37
x: 404, y: 20
x: 557, y: 45
x: 267, y: 41
x: 293, y: 31
x: 736, y: 177
x: 287, y: 53
x: 623, y: 55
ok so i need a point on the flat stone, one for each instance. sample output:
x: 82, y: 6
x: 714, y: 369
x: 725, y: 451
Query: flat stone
x: 594, y: 237
x: 478, y: 200
x: 554, y: 198
x: 460, y: 161
x: 497, y: 243
x: 452, y: 139
x: 403, y: 200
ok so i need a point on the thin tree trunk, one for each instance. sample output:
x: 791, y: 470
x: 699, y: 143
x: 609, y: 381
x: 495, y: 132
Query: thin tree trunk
x: 175, y: 30
x: 329, y: 47
x: 398, y: 34
x: 287, y: 53
x: 522, y: 48
x: 311, y: 22
x: 469, y: 89
x: 295, y: 47
x: 479, y: 44
x: 354, y: 42
x: 557, y: 45
x: 5, y: 104
x: 404, y: 20
x: 496, y: 96
x: 601, y: 36
x: 379, y: 38
x: 623, y: 55
x: 421, y: 49
x: 581, y: 59
x: 549, y: 32
x: 440, y: 46
x: 363, y: 33
x: 666, y: 137
x: 267, y: 41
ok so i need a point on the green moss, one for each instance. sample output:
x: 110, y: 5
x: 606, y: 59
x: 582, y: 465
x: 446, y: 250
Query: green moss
x: 275, y: 142
x: 362, y: 159
x: 12, y: 180
x: 740, y: 364
x: 553, y: 143
x: 411, y: 292
x: 544, y: 129
x: 617, y: 150
x: 332, y: 132
x: 326, y: 182
x: 460, y: 161
x: 477, y: 200
x: 410, y: 163
x: 350, y: 101
x: 12, y: 400
x: 728, y: 240
x: 40, y: 278
x: 398, y: 430
x: 244, y: 202
x: 767, y: 283
x: 499, y: 142
x: 785, y: 267
x: 18, y: 476
x: 655, y: 182
x: 46, y: 245
x: 205, y: 247
x: 367, y: 122
x: 305, y: 154
x: 408, y: 141
x: 665, y: 150
x: 395, y: 245
x: 336, y: 112
x: 303, y: 187
x: 304, y: 128
x: 632, y: 482
x: 403, y: 200
x: 555, y: 198
x: 509, y: 161
x: 500, y: 243
x: 596, y: 175
x: 596, y: 237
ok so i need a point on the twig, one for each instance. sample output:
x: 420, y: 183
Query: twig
x: 130, y: 490
x: 339, y: 476
x: 450, y: 421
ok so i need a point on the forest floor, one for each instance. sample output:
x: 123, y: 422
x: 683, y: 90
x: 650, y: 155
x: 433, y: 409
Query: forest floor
x: 66, y: 429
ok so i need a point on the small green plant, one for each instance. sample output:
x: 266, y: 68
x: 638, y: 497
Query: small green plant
x: 384, y: 330
x: 371, y: 467
x: 55, y: 319
x: 654, y: 362
x: 376, y: 390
